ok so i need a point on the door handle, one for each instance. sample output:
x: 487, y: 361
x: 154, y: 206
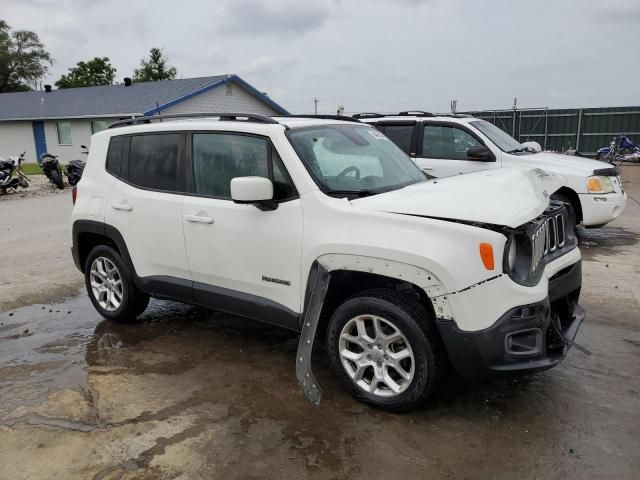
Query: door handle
x: 199, y: 219
x: 124, y: 206
x: 426, y: 169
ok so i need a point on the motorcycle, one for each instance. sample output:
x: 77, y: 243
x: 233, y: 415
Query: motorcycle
x: 621, y: 149
x: 11, y: 174
x: 51, y: 168
x: 75, y: 168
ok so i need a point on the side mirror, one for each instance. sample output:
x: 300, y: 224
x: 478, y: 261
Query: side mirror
x: 481, y: 153
x: 256, y: 191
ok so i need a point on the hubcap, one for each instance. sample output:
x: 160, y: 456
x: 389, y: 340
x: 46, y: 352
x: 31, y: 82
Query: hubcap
x: 106, y: 284
x: 376, y: 355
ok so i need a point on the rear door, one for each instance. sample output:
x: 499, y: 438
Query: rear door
x: 243, y: 260
x: 145, y: 203
x: 442, y: 150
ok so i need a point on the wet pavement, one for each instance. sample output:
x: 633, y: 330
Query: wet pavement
x: 190, y: 393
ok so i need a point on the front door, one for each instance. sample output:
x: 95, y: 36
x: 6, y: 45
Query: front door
x: 39, y: 139
x: 243, y: 260
x: 442, y: 150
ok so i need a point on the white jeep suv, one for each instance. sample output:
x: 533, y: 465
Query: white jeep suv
x: 325, y: 226
x: 446, y: 145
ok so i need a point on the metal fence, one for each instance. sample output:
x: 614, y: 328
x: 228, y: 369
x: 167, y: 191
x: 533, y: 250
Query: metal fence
x: 585, y: 129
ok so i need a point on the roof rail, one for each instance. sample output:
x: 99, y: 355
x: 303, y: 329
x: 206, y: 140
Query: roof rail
x: 250, y: 117
x: 345, y: 118
x: 416, y: 113
x: 367, y: 115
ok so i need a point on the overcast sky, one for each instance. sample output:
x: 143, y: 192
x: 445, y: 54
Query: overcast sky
x: 368, y: 55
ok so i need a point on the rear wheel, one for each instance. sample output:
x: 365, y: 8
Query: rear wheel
x: 385, y: 349
x: 56, y: 179
x: 111, y: 288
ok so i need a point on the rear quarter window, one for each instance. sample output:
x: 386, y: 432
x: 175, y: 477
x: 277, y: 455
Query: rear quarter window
x: 114, y: 155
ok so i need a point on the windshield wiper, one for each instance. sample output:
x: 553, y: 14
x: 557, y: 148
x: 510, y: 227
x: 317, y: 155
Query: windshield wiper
x: 357, y: 193
x: 518, y: 150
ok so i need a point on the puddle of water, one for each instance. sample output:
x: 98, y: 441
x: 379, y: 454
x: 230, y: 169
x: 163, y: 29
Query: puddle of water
x: 181, y: 359
x: 606, y: 240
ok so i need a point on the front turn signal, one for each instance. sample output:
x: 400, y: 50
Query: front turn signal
x: 486, y: 254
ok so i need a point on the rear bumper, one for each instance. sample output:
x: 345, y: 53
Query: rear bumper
x: 524, y: 338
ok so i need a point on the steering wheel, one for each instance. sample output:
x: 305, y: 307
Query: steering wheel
x: 349, y: 169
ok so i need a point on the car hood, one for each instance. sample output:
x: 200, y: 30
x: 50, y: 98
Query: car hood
x: 556, y: 162
x: 502, y: 196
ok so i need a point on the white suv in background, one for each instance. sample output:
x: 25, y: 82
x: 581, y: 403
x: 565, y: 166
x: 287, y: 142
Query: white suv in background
x: 325, y: 226
x: 446, y: 145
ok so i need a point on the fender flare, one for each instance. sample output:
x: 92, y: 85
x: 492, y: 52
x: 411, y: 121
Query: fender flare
x: 316, y: 292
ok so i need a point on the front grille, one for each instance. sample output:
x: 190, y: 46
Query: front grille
x: 548, y: 237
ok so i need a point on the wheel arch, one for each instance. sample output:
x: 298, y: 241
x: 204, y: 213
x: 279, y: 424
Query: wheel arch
x: 88, y: 234
x: 574, y: 199
x: 351, y: 274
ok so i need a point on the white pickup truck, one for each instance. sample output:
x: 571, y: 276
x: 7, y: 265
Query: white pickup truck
x: 446, y: 145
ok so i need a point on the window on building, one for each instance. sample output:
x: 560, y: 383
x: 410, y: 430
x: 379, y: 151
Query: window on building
x: 99, y: 125
x: 64, y: 133
x: 400, y: 135
x: 447, y: 142
x: 219, y: 157
x: 153, y: 161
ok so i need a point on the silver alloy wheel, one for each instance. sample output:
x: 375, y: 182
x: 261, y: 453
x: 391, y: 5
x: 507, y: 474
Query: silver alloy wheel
x: 106, y: 284
x: 376, y: 355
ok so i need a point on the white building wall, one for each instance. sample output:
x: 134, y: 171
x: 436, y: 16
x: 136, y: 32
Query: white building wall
x: 80, y: 135
x: 219, y: 100
x: 15, y: 138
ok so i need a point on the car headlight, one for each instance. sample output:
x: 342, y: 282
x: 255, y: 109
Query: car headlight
x: 599, y: 184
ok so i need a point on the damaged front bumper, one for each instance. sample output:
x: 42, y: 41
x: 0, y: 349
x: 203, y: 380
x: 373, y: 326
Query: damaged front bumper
x: 526, y: 338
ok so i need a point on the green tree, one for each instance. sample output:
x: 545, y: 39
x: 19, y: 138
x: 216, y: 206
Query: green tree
x: 154, y: 68
x: 23, y: 59
x: 97, y: 71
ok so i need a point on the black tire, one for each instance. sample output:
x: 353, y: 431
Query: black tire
x: 133, y: 303
x: 56, y: 179
x: 416, y: 323
x: 23, y: 182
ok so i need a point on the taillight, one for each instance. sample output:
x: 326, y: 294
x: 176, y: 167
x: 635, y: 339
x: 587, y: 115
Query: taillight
x: 74, y: 194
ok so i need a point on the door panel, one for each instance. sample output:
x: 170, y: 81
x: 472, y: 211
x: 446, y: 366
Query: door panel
x: 244, y: 249
x: 237, y: 247
x: 151, y: 225
x: 442, y: 151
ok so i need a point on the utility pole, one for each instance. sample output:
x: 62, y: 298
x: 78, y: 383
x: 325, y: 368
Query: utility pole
x: 315, y: 105
x: 515, y: 108
x: 454, y: 105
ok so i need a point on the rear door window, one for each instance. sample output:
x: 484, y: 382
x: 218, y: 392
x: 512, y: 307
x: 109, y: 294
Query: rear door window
x: 154, y: 161
x: 401, y: 135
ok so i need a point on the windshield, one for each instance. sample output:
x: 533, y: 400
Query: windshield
x: 502, y: 139
x: 353, y: 159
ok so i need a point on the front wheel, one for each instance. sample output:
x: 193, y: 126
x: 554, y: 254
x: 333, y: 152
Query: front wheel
x: 56, y: 179
x: 111, y: 288
x: 385, y: 349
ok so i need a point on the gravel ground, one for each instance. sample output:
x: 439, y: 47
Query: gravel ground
x: 39, y: 186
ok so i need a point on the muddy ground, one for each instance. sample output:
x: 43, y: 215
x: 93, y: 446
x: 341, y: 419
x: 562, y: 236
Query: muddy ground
x: 190, y: 393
